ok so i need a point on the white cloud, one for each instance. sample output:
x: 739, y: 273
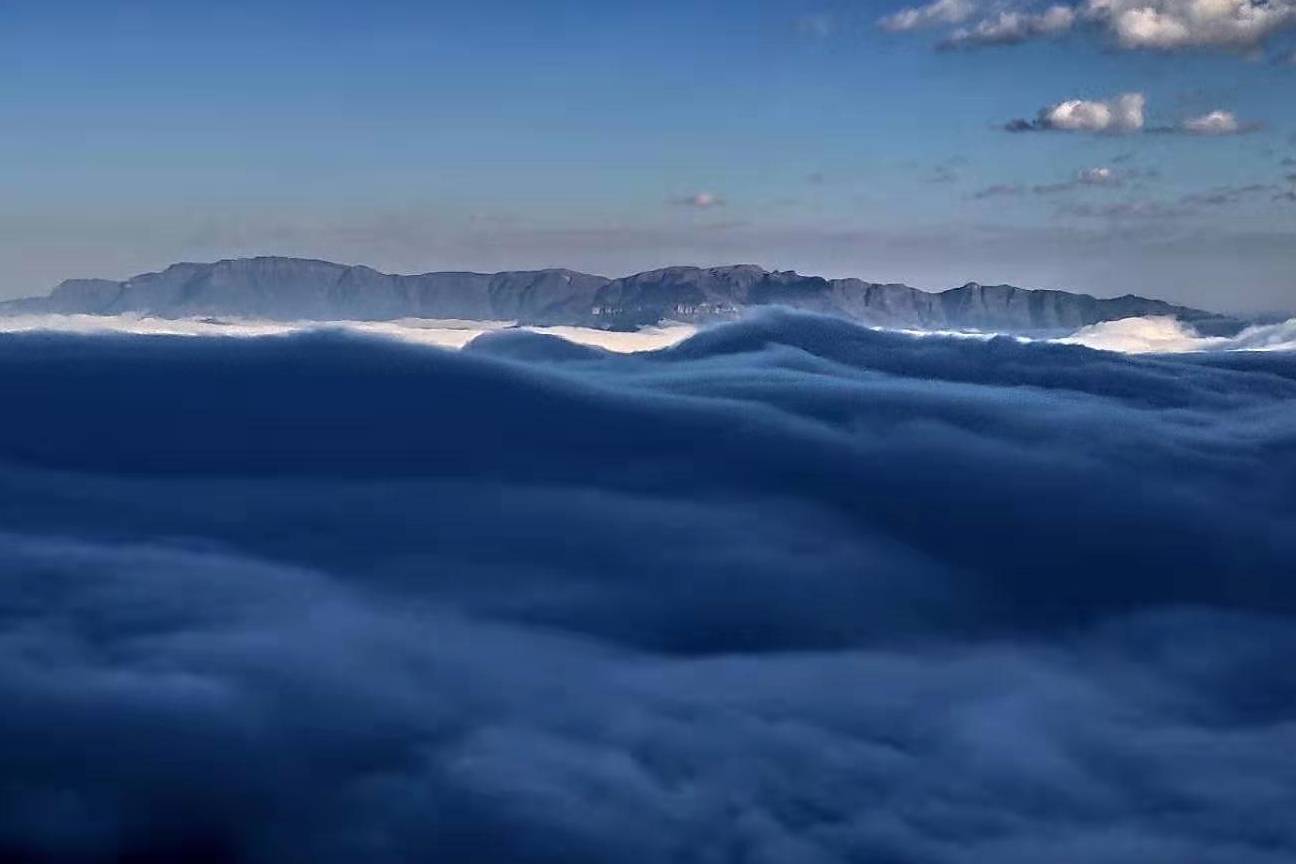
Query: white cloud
x: 1222, y: 196
x: 1153, y: 335
x: 1122, y: 114
x: 1125, y: 114
x: 1171, y: 24
x: 999, y: 190
x: 1102, y: 176
x: 1012, y: 26
x: 1214, y: 123
x: 932, y: 15
x: 700, y: 200
x: 439, y: 333
x: 1236, y: 25
x: 1168, y: 335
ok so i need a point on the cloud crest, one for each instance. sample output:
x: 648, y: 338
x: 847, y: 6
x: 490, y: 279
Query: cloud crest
x: 1162, y: 335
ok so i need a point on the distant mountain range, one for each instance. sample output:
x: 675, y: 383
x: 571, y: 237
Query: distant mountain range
x: 299, y: 289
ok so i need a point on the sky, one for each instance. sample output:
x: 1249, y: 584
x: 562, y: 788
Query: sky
x: 1105, y: 146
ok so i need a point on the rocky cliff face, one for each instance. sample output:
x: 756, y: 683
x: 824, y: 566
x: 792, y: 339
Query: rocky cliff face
x: 297, y: 289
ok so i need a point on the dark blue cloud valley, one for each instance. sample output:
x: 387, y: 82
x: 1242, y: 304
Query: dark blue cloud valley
x: 791, y: 591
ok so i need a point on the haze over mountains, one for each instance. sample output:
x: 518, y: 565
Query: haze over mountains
x: 279, y: 288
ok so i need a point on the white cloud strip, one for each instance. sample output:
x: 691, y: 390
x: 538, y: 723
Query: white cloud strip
x: 1129, y: 335
x: 438, y: 333
x: 1167, y: 335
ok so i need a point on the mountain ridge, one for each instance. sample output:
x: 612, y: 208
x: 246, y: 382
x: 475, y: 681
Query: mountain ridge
x: 282, y: 288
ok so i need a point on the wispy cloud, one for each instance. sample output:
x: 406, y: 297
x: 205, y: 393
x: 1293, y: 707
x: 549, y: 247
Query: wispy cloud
x: 1011, y: 26
x: 999, y: 190
x: 1216, y: 122
x: 1287, y: 194
x: 932, y: 15
x: 699, y: 201
x: 819, y: 25
x: 1101, y: 177
x: 1225, y: 195
x: 1193, y: 203
x: 946, y: 171
x: 1123, y: 210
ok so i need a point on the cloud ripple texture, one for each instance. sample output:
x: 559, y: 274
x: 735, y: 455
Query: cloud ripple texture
x: 789, y: 591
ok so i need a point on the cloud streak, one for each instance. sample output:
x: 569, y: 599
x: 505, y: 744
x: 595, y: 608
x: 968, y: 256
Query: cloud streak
x: 699, y: 201
x: 418, y: 331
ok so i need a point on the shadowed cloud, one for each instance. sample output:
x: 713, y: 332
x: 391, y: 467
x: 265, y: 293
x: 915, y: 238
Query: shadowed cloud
x: 792, y: 590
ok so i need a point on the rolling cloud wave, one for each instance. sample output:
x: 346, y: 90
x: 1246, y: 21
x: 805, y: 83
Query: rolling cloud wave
x: 792, y: 590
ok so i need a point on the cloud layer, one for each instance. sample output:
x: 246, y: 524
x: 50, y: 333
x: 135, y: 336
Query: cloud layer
x: 1162, y: 25
x: 1172, y: 24
x: 790, y: 591
x: 418, y: 331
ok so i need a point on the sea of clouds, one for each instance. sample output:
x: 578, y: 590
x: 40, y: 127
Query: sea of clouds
x: 1169, y: 335
x: 790, y: 590
x: 440, y: 333
x: 1151, y: 335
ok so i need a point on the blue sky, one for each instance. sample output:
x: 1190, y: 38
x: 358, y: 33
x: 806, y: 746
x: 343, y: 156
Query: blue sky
x: 822, y: 137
